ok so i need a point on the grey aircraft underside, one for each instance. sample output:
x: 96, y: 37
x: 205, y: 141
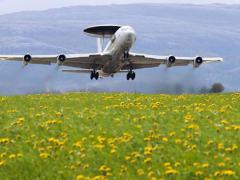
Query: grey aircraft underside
x: 115, y: 58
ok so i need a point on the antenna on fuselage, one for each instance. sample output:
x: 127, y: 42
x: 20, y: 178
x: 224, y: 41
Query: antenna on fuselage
x: 101, y: 32
x: 100, y: 42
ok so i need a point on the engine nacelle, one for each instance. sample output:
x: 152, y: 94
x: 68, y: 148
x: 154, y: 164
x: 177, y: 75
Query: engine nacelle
x: 197, y: 62
x: 26, y: 59
x: 61, y: 59
x: 171, y: 60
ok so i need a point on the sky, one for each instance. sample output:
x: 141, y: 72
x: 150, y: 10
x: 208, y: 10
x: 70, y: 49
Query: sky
x: 9, y: 6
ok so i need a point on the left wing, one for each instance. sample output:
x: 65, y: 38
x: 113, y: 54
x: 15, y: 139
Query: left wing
x: 85, y: 61
x: 139, y: 61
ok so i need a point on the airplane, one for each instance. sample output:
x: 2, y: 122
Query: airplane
x: 114, y: 58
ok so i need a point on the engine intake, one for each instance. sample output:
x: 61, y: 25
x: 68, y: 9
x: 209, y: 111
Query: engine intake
x: 26, y: 59
x: 197, y: 62
x: 171, y: 60
x: 60, y: 59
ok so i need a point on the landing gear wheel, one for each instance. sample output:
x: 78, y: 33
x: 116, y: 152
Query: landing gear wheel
x: 133, y: 75
x: 92, y: 75
x: 128, y: 76
x: 96, y: 75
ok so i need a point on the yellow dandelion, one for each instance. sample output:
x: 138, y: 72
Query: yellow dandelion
x: 19, y: 155
x: 2, y: 163
x: 80, y: 177
x: 210, y: 142
x: 151, y: 174
x: 113, y: 151
x: 109, y: 174
x: 193, y: 126
x: 86, y: 166
x: 44, y: 155
x: 228, y: 173
x: 165, y: 139
x: 171, y: 172
x: 198, y: 173
x: 4, y: 140
x: 172, y: 133
x: 133, y: 161
x: 104, y: 168
x: 220, y: 146
x: 217, y: 173
x: 127, y: 158
x: 205, y: 165
x: 78, y: 144
x: 177, y: 164
x: 58, y: 114
x: 12, y: 156
x: 188, y: 117
x: 140, y: 172
x: 167, y: 164
x: 98, y: 178
x: 147, y: 160
x: 2, y: 155
x: 99, y: 146
x: 221, y: 164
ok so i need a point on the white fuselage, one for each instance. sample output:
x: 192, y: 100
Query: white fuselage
x: 120, y: 43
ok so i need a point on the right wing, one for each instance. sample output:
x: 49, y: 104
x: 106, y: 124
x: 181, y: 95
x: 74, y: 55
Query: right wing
x: 139, y: 61
x: 85, y: 61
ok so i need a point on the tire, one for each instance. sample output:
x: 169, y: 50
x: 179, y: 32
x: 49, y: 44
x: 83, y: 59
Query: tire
x: 128, y: 76
x: 92, y: 76
x: 133, y: 75
x: 96, y: 75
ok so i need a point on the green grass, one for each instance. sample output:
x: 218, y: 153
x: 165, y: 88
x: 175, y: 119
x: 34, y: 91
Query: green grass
x: 120, y: 136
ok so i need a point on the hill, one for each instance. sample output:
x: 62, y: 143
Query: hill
x: 181, y: 30
x: 119, y: 136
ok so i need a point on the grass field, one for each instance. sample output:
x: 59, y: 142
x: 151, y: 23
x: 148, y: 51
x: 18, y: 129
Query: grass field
x: 120, y: 136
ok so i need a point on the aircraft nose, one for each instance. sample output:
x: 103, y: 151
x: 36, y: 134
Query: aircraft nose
x: 131, y: 35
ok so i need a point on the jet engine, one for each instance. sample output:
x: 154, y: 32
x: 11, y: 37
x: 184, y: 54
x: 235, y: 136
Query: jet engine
x: 171, y: 60
x: 197, y: 62
x: 26, y: 59
x: 60, y: 59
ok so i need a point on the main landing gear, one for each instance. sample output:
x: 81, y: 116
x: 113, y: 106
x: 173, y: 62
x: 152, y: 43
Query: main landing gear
x: 95, y: 75
x: 131, y: 74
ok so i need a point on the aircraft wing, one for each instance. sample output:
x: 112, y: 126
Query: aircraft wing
x: 139, y: 61
x: 85, y: 61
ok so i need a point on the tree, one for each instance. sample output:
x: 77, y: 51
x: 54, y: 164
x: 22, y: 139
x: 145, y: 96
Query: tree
x: 217, y: 88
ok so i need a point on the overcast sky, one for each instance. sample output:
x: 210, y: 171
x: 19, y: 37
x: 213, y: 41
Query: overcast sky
x: 8, y: 6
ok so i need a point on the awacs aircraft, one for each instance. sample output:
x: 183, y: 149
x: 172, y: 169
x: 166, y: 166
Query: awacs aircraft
x: 115, y: 58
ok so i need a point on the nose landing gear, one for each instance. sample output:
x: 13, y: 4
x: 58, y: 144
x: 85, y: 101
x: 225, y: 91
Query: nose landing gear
x: 126, y: 55
x: 131, y: 74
